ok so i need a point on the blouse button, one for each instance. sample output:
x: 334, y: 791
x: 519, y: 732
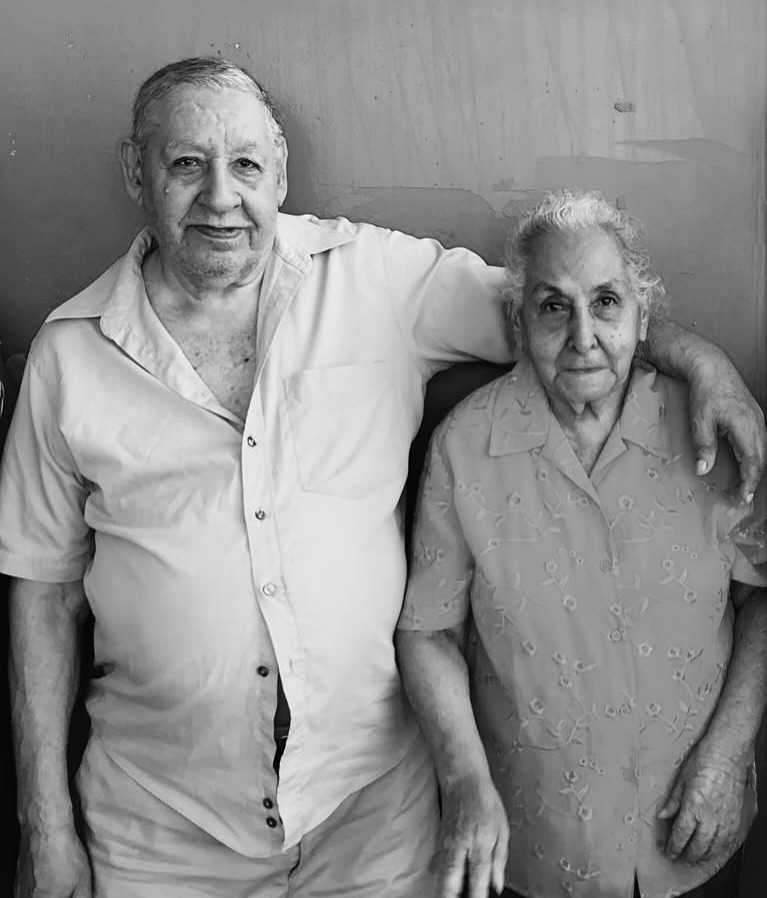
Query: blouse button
x: 251, y: 442
x: 271, y: 822
x: 262, y: 671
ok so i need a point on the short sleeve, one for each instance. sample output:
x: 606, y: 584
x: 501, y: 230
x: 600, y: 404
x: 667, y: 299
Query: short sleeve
x: 43, y: 534
x: 439, y: 585
x: 447, y: 301
x: 750, y: 538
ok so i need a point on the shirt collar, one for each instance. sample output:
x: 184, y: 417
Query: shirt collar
x: 523, y: 417
x: 108, y: 297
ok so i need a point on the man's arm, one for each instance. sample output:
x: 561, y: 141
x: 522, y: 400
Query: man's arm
x: 720, y: 403
x: 46, y: 622
x: 707, y: 798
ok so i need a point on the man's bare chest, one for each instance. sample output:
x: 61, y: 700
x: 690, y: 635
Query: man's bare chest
x: 227, y: 365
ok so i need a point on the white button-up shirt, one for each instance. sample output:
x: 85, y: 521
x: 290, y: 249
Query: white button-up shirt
x: 216, y: 552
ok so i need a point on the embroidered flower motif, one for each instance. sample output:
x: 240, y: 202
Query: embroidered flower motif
x: 616, y: 635
x: 566, y: 682
x: 600, y: 770
x: 678, y: 674
x: 570, y: 603
x: 610, y: 711
x: 537, y: 706
x: 538, y: 850
x: 690, y: 596
x: 579, y: 560
x: 493, y: 542
x: 653, y: 709
x: 583, y: 762
x: 625, y: 709
x: 675, y: 547
x: 583, y: 873
x: 550, y: 566
x: 560, y: 658
x: 542, y: 474
x: 529, y: 647
x: 571, y: 776
x: 644, y: 649
x: 585, y: 813
x: 652, y: 474
x: 629, y: 819
x: 625, y: 502
x: 616, y: 609
x: 582, y: 502
x: 572, y: 553
x: 514, y: 500
x: 693, y: 555
x: 565, y: 865
x: 673, y: 652
x: 667, y: 564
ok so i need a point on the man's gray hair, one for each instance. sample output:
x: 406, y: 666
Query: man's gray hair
x: 573, y: 210
x: 198, y: 71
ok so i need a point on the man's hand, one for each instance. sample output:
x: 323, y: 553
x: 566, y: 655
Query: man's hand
x: 474, y: 840
x: 706, y: 802
x: 721, y: 404
x: 52, y: 867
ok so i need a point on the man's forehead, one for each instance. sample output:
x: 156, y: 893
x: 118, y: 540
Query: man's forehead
x: 191, y: 114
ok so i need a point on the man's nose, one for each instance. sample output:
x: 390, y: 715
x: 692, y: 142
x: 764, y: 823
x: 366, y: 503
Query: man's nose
x: 219, y: 191
x: 582, y: 337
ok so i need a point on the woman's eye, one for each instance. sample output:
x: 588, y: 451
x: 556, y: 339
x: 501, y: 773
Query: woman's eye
x: 608, y: 299
x: 552, y: 306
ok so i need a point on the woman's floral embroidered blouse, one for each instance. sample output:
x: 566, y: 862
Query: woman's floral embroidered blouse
x: 600, y: 627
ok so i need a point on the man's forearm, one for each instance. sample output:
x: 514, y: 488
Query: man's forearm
x: 45, y: 626
x: 677, y: 351
x: 734, y: 726
x: 435, y: 677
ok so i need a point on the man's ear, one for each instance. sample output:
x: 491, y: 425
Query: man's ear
x: 130, y: 157
x: 282, y: 172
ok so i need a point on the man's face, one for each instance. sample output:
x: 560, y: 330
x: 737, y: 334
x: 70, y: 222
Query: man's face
x: 211, y: 182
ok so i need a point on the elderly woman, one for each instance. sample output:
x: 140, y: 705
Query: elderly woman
x: 584, y: 639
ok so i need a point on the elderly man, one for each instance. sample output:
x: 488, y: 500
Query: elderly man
x: 209, y: 453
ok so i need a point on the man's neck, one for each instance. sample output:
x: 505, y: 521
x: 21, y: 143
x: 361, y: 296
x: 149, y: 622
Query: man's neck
x: 211, y: 306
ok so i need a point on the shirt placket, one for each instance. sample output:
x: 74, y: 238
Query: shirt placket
x: 281, y: 802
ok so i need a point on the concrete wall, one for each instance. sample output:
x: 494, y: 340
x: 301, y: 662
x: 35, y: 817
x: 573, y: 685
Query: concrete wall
x: 436, y: 117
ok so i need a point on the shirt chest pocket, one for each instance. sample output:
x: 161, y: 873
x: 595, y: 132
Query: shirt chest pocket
x: 348, y: 428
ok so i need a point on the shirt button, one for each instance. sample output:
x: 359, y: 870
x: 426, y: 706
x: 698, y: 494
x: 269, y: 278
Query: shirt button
x: 268, y: 589
x: 251, y: 442
x: 262, y: 671
x: 271, y: 822
x: 260, y: 514
x: 268, y: 804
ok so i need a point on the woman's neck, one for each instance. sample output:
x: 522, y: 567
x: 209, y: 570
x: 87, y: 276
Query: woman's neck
x: 588, y: 425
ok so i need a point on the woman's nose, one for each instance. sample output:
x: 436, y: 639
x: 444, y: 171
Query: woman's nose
x: 581, y: 337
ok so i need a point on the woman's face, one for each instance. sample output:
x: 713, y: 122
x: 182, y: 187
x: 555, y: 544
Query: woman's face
x: 580, y: 319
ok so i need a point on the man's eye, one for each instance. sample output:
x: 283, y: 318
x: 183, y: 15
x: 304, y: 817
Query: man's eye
x: 186, y: 162
x: 248, y: 165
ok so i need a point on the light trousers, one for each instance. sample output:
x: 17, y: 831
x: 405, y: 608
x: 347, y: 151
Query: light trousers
x: 377, y: 844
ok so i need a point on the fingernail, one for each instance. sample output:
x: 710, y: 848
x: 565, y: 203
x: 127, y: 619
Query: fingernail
x: 701, y: 467
x: 749, y: 498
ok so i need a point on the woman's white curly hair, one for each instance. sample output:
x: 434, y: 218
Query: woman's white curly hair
x: 574, y: 210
